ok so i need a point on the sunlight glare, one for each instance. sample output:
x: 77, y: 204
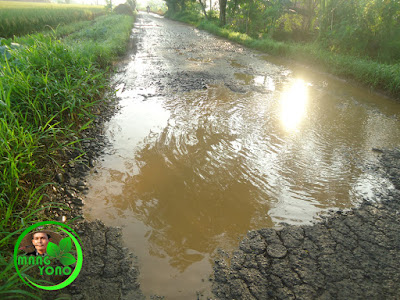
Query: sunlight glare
x: 293, y: 105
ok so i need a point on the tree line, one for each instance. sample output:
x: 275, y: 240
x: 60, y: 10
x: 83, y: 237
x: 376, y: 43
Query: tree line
x: 357, y: 27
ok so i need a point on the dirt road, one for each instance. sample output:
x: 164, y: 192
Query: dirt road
x: 213, y: 140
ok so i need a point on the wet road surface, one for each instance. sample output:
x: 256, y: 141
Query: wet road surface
x: 213, y: 140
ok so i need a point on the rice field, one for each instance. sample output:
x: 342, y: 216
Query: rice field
x: 21, y: 18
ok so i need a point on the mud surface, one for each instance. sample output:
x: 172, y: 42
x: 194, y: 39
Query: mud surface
x: 107, y: 271
x: 352, y: 255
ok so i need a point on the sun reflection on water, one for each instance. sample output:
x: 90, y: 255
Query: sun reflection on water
x: 294, y: 105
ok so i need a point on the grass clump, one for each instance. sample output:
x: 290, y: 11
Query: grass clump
x: 48, y: 89
x: 104, y: 45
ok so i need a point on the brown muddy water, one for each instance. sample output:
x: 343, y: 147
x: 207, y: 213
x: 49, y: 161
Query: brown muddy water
x: 213, y: 140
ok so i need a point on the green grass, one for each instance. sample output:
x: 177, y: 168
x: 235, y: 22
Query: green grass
x: 63, y: 31
x: 103, y: 47
x: 48, y: 89
x: 21, y: 18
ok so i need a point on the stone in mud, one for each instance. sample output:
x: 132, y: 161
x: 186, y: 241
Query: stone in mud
x: 70, y: 193
x: 82, y: 188
x: 91, y: 163
x: 60, y: 178
x: 292, y: 236
x: 77, y: 201
x: 276, y: 250
x: 237, y: 260
x: 73, y: 182
x: 256, y: 243
x: 62, y: 219
x: 270, y: 236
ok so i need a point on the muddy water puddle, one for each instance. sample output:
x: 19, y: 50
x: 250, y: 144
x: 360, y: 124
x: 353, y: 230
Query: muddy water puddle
x: 193, y: 171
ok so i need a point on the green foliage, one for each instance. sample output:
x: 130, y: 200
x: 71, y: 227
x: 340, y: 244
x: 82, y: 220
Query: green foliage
x: 253, y: 17
x: 369, y: 27
x: 10, y: 281
x: 66, y: 244
x: 192, y: 14
x: 213, y: 15
x: 48, y: 89
x: 132, y: 4
x: 61, y: 252
x: 108, y: 6
x: 124, y: 9
x: 62, y: 31
x: 17, y: 19
x: 108, y: 37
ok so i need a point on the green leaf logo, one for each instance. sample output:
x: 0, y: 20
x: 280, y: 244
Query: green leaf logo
x: 61, y: 252
x: 67, y: 259
x: 53, y: 250
x: 66, y: 244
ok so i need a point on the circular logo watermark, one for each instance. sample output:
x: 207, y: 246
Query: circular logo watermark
x: 50, y: 253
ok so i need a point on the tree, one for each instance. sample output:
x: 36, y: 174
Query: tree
x: 222, y: 12
x: 272, y: 12
x: 132, y: 4
x: 203, y: 7
x: 172, y: 6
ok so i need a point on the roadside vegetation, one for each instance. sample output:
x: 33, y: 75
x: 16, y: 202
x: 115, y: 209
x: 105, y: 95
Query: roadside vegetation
x: 21, y: 18
x: 357, y: 40
x: 50, y: 85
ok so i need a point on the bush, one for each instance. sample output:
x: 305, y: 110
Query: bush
x: 124, y: 9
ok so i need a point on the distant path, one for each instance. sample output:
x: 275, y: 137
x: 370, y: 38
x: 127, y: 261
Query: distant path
x: 353, y: 256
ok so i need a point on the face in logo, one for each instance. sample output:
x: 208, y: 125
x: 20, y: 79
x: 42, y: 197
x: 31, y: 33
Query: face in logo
x: 36, y: 242
x: 40, y: 241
